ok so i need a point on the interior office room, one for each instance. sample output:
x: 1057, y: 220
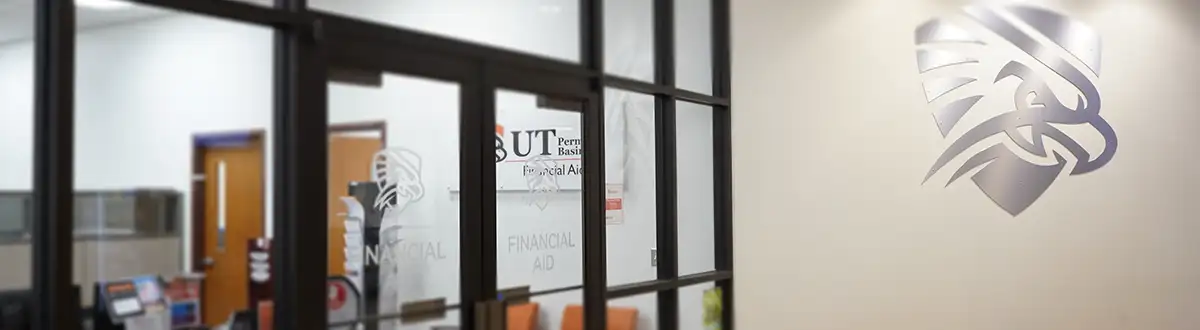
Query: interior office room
x: 836, y: 135
x: 177, y: 146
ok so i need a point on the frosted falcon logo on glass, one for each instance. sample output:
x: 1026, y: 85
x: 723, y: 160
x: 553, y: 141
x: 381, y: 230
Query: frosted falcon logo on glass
x: 999, y: 81
x: 542, y: 180
x: 397, y: 172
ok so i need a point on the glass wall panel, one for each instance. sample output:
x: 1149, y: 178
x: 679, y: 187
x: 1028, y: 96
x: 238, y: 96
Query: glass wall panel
x: 16, y: 147
x: 700, y: 307
x: 394, y: 193
x: 553, y: 310
x: 172, y: 154
x: 693, y: 45
x: 630, y: 177
x: 694, y: 135
x: 629, y: 38
x: 173, y: 151
x: 539, y: 198
x: 640, y: 310
x: 548, y: 28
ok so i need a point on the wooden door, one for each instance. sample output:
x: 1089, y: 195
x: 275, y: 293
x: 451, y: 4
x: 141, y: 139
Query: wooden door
x: 349, y: 161
x: 233, y: 188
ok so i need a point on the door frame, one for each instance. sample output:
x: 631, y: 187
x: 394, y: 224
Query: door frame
x: 362, y: 126
x: 479, y: 76
x: 379, y: 126
x: 199, y: 147
x: 200, y: 183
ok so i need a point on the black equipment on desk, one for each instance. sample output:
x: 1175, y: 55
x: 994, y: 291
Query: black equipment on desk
x: 117, y: 301
x: 16, y: 308
x: 366, y: 192
x: 102, y: 312
x: 243, y: 320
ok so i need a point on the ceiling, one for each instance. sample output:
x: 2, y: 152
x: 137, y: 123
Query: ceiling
x: 16, y: 18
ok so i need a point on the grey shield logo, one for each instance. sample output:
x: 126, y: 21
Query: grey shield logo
x: 949, y: 55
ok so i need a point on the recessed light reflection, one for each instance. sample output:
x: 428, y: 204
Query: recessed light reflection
x: 103, y: 4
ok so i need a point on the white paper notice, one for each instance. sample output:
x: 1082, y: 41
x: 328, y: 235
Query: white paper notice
x: 126, y: 306
x: 614, y: 211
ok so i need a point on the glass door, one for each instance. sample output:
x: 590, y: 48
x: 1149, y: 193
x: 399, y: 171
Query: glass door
x: 453, y: 186
x: 394, y: 200
x: 539, y: 210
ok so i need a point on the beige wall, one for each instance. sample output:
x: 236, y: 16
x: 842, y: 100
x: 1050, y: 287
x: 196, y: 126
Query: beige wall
x: 834, y: 230
x: 99, y: 260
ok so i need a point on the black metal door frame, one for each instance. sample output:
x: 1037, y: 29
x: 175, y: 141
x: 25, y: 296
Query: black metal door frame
x: 479, y: 76
x: 53, y: 166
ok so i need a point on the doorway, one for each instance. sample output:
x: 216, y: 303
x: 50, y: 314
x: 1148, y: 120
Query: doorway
x: 484, y: 209
x: 352, y: 146
x: 227, y: 213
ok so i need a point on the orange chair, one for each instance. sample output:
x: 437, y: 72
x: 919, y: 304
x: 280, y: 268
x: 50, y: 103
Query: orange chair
x: 523, y: 317
x: 266, y: 311
x: 619, y: 318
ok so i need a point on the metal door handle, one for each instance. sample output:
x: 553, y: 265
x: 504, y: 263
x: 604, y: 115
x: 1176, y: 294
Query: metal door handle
x: 209, y: 262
